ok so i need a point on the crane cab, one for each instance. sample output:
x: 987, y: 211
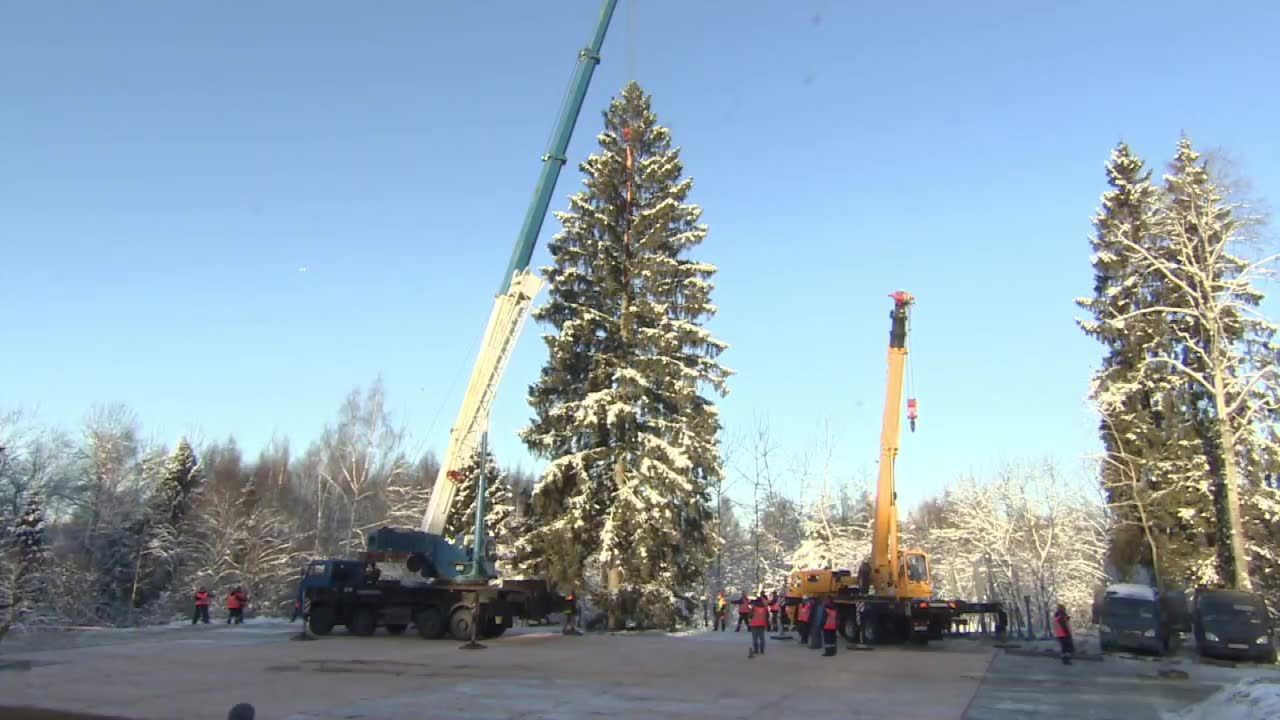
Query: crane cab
x: 913, y: 576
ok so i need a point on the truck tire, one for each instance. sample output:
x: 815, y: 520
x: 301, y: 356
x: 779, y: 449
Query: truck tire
x: 849, y: 627
x: 396, y: 629
x: 872, y: 631
x: 430, y: 623
x: 363, y: 623
x: 460, y: 623
x: 321, y: 620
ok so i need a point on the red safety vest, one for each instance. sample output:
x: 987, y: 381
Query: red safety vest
x: 759, y: 617
x: 804, y: 613
x: 744, y: 608
x: 233, y: 601
x: 1060, y: 626
x: 773, y: 607
x: 830, y: 624
x: 202, y: 599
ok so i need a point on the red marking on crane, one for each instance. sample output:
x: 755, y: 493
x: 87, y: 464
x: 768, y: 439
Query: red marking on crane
x: 902, y: 297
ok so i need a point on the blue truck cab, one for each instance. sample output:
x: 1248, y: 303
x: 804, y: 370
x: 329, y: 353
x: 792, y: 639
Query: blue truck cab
x: 1233, y: 625
x: 1132, y: 617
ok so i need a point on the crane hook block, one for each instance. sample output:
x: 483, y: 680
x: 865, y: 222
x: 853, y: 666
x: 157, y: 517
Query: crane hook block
x: 912, y: 412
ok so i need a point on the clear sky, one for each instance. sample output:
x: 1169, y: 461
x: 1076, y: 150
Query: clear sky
x: 228, y: 216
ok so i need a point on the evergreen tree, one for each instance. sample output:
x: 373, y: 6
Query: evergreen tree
x: 29, y: 532
x: 499, y: 503
x: 1161, y: 521
x: 619, y: 407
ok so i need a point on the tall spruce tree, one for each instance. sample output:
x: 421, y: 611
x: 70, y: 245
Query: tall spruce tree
x: 620, y: 406
x: 499, y: 503
x: 1161, y: 523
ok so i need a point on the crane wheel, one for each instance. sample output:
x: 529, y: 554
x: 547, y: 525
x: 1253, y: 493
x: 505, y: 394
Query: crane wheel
x: 430, y: 623
x: 321, y: 620
x: 460, y: 624
x: 364, y: 623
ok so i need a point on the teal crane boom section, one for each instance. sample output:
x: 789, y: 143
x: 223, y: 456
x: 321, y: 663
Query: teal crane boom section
x: 555, y: 158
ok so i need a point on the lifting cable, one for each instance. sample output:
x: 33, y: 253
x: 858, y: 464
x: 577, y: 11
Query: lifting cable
x: 912, y: 407
x: 631, y: 40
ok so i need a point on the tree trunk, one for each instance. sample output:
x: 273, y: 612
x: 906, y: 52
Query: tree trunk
x: 1239, y: 570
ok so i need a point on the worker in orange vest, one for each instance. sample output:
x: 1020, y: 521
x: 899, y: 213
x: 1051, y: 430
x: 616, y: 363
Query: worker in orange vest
x: 831, y: 618
x: 775, y: 624
x: 744, y: 612
x: 1062, y: 631
x: 802, y: 619
x: 758, y: 623
x: 236, y: 600
x: 202, y: 607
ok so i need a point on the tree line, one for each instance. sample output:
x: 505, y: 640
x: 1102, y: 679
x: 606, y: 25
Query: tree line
x: 102, y: 527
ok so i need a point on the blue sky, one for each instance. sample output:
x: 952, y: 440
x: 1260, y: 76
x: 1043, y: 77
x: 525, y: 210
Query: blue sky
x: 167, y: 170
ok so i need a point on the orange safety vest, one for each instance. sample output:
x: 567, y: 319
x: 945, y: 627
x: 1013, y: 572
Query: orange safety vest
x: 759, y: 617
x: 744, y: 608
x: 804, y: 613
x: 1059, y: 626
x: 233, y: 602
x: 202, y: 599
x: 830, y: 624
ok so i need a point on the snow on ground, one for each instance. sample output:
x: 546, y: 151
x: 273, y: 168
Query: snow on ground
x: 1252, y: 699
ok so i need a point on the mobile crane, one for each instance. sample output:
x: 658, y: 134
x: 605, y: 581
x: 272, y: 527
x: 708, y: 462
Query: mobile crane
x: 891, y: 599
x: 419, y: 576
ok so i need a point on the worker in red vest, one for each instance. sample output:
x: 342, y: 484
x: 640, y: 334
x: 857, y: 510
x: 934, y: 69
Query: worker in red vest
x: 775, y: 624
x: 802, y: 619
x: 202, y: 607
x: 1062, y: 631
x: 236, y: 600
x: 758, y: 623
x: 744, y: 612
x: 831, y: 618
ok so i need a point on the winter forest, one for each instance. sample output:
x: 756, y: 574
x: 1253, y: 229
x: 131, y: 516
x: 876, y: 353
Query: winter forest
x: 645, y: 504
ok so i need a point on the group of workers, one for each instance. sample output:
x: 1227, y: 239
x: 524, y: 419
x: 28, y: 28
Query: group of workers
x: 815, y: 619
x: 236, y: 601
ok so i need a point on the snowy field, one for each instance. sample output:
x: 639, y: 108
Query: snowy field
x: 184, y: 672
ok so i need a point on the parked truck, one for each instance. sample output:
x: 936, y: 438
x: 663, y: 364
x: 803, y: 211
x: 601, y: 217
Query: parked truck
x: 1136, y: 617
x: 1233, y: 625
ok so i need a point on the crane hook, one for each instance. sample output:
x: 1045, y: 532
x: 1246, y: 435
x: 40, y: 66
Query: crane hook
x: 912, y: 413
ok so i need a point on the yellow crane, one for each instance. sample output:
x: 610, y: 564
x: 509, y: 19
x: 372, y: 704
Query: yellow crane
x: 891, y: 598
